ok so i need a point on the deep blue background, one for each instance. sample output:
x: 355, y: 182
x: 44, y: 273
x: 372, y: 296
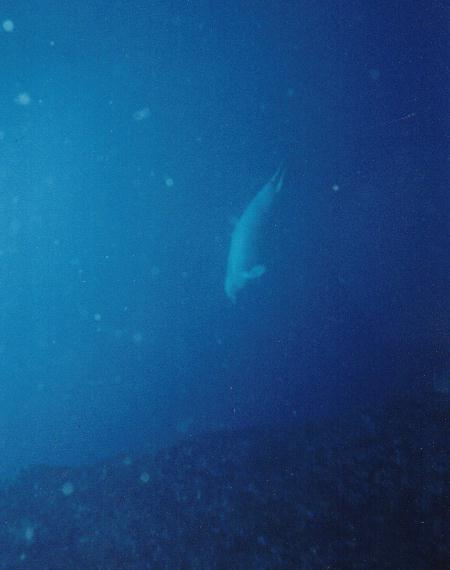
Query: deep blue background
x: 115, y: 332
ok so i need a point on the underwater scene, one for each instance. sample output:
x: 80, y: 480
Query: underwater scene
x: 224, y: 285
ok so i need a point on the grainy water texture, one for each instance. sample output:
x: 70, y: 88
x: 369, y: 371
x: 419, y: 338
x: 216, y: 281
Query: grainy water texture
x: 153, y: 294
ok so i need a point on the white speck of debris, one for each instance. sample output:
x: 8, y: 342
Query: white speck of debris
x: 67, y: 489
x: 97, y: 317
x: 29, y: 534
x: 137, y: 338
x: 335, y: 188
x: 23, y: 99
x: 141, y: 114
x: 127, y: 460
x: 169, y: 182
x: 8, y: 25
x: 118, y: 334
x: 145, y: 477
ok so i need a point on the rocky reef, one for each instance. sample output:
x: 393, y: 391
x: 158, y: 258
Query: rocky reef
x: 362, y: 492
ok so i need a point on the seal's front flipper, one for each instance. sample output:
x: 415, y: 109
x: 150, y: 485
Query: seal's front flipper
x: 255, y: 272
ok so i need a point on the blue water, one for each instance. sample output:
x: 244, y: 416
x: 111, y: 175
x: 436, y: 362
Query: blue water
x: 132, y: 133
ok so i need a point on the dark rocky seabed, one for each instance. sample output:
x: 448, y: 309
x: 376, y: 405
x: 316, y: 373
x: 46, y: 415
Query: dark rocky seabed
x: 367, y: 491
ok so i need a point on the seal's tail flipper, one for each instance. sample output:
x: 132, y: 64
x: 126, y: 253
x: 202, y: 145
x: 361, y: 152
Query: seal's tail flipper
x: 278, y: 178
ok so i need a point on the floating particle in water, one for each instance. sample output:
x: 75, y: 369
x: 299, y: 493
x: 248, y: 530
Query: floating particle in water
x: 23, y: 99
x: 137, y: 338
x: 262, y: 540
x: 145, y: 477
x: 141, y: 114
x: 374, y: 74
x: 169, y: 182
x: 290, y: 92
x: 155, y: 271
x: 8, y: 25
x: 97, y: 317
x: 67, y: 489
x: 335, y: 187
x: 127, y: 460
x: 118, y: 334
x: 29, y: 533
